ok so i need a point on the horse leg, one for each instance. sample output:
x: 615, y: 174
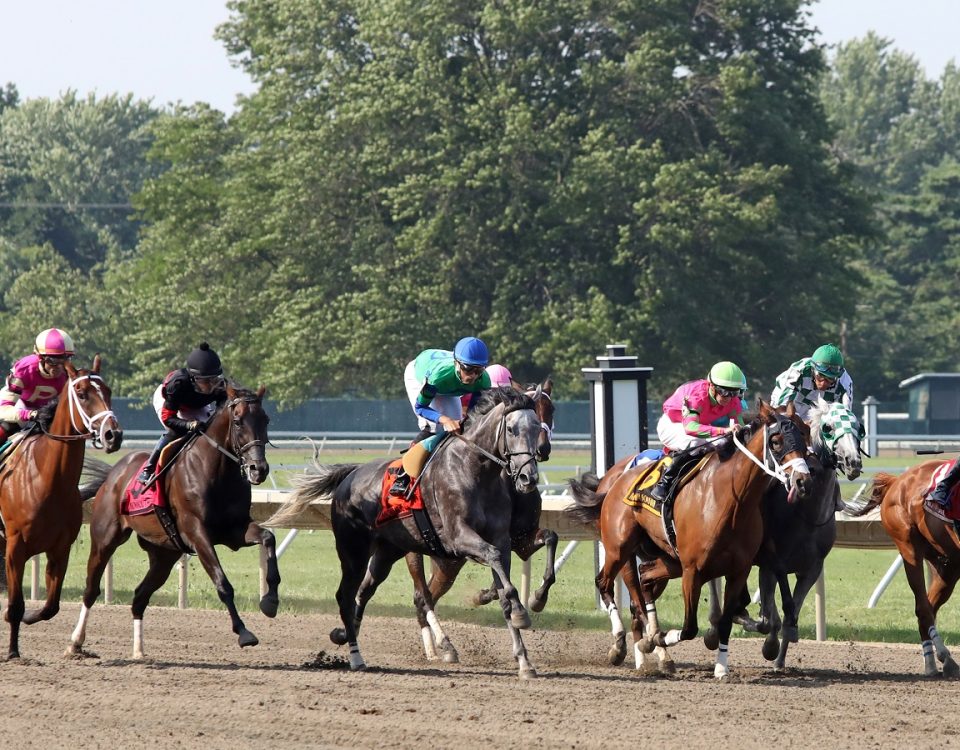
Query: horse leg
x: 211, y: 564
x: 615, y: 560
x: 161, y: 562
x: 378, y: 568
x: 691, y: 585
x: 525, y: 546
x: 270, y: 601
x: 805, y: 581
x: 644, y: 619
x: 731, y: 605
x: 710, y: 638
x: 57, y: 560
x: 353, y: 549
x: 106, y: 534
x: 445, y: 573
x: 473, y: 546
x: 941, y: 587
x: 510, y: 603
x: 769, y: 614
x: 926, y: 621
x: 16, y: 561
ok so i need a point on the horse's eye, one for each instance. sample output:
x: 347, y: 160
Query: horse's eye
x: 82, y: 396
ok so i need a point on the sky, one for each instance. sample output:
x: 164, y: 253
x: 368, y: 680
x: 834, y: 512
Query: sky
x: 165, y: 51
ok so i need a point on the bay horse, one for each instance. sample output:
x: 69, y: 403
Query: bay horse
x: 39, y: 496
x: 920, y: 536
x: 718, y: 529
x: 465, y: 498
x: 208, y: 491
x: 526, y: 538
x: 797, y: 537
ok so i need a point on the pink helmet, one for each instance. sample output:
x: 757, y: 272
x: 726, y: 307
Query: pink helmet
x: 54, y: 343
x: 499, y: 375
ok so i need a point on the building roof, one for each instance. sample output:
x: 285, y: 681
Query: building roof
x: 931, y: 375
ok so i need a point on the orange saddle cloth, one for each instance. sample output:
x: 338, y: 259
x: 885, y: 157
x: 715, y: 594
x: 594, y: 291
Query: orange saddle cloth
x: 137, y: 500
x: 393, y: 507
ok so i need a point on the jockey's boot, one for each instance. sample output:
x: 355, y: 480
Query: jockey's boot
x: 146, y: 474
x: 680, y: 459
x: 413, y: 462
x: 941, y: 493
x: 401, y: 484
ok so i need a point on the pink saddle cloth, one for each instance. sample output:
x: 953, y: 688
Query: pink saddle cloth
x: 952, y: 510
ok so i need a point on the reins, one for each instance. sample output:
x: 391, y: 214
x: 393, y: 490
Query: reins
x: 779, y: 471
x: 236, y: 457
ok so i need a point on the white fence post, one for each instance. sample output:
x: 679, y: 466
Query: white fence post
x: 870, y: 405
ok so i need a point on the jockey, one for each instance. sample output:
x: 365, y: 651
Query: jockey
x: 185, y: 400
x: 821, y: 376
x: 34, y: 381
x: 435, y: 382
x: 687, y: 425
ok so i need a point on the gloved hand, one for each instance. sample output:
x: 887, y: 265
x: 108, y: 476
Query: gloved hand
x: 33, y: 414
x: 194, y: 426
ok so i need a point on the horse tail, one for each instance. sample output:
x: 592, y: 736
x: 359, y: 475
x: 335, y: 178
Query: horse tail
x: 95, y: 471
x: 590, y: 480
x: 319, y: 484
x: 587, y: 501
x: 881, y: 485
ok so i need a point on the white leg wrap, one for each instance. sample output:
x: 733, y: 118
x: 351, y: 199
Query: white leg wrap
x: 138, y: 639
x: 672, y: 638
x: 720, y: 669
x: 429, y: 647
x: 943, y: 653
x: 356, y: 661
x: 80, y: 632
x: 616, y: 625
x: 929, y: 662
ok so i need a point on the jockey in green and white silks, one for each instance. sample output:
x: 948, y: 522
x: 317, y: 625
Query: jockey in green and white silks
x: 821, y: 376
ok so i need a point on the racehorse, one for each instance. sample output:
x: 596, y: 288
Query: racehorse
x: 920, y: 535
x: 465, y: 498
x: 39, y: 497
x: 718, y: 528
x: 526, y: 538
x: 207, y: 487
x: 797, y: 537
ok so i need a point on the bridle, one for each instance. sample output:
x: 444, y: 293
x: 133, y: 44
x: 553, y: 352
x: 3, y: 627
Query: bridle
x: 238, y: 451
x: 537, y: 394
x: 89, y: 421
x: 771, y: 465
x: 500, y: 441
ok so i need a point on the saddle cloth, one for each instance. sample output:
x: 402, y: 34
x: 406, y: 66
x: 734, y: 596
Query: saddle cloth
x: 138, y: 500
x: 393, y: 507
x: 952, y: 511
x: 636, y: 495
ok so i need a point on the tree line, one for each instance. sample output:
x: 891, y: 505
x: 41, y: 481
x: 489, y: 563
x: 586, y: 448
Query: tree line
x: 697, y: 180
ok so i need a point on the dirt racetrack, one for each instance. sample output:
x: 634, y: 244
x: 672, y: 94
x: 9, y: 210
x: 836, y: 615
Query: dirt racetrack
x: 197, y: 689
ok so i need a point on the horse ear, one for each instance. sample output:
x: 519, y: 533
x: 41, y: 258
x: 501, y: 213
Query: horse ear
x: 548, y: 386
x: 71, y: 370
x: 763, y: 408
x: 260, y: 391
x: 791, y: 409
x: 537, y: 393
x: 96, y: 363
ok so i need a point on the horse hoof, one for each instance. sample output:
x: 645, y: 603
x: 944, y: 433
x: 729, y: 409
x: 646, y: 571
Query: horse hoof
x: 668, y: 667
x: 711, y: 639
x: 247, y: 639
x: 520, y: 620
x: 950, y: 668
x: 451, y: 657
x: 618, y: 651
x: 790, y: 633
x: 338, y: 636
x: 528, y: 673
x: 536, y: 603
x: 269, y: 605
x: 483, y: 597
x: 771, y: 647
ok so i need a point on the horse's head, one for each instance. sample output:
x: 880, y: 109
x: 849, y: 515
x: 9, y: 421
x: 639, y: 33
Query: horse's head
x: 248, y: 431
x: 513, y: 427
x: 88, y: 399
x: 837, y: 431
x: 787, y: 449
x: 544, y: 407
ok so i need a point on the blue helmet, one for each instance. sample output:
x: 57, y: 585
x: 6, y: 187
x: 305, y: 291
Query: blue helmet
x: 471, y: 351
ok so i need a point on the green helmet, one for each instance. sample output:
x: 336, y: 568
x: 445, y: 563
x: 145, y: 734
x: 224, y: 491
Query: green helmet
x: 828, y: 361
x: 727, y: 375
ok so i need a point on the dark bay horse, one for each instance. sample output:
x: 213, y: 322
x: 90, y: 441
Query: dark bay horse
x: 526, y: 538
x: 718, y: 525
x: 39, y: 497
x: 464, y: 495
x: 798, y: 536
x: 920, y: 536
x: 208, y: 490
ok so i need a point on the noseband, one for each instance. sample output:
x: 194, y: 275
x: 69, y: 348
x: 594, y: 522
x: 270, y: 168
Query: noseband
x: 89, y: 422
x: 238, y: 450
x: 771, y: 461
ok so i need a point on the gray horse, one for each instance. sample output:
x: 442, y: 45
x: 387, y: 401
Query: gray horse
x: 465, y: 498
x: 798, y: 537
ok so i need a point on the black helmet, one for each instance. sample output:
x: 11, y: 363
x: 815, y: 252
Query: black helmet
x: 203, y: 362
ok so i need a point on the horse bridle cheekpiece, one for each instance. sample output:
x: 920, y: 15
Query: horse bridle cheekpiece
x: 771, y: 461
x: 89, y: 422
x: 238, y: 450
x: 501, y: 442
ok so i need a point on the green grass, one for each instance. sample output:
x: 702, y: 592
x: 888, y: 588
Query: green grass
x: 310, y: 572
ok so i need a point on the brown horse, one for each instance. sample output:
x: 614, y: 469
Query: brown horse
x: 718, y: 529
x: 39, y: 497
x: 920, y: 536
x: 526, y: 538
x: 208, y: 490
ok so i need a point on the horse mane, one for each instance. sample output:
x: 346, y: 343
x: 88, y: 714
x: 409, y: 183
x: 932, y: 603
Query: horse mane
x: 816, y: 415
x: 512, y: 399
x: 45, y: 413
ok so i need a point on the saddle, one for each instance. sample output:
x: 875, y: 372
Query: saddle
x: 395, y: 507
x: 638, y: 497
x: 139, y: 499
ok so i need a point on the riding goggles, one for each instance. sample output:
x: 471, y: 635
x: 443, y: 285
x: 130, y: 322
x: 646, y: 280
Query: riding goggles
x: 475, y: 370
x: 831, y: 372
x: 727, y: 392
